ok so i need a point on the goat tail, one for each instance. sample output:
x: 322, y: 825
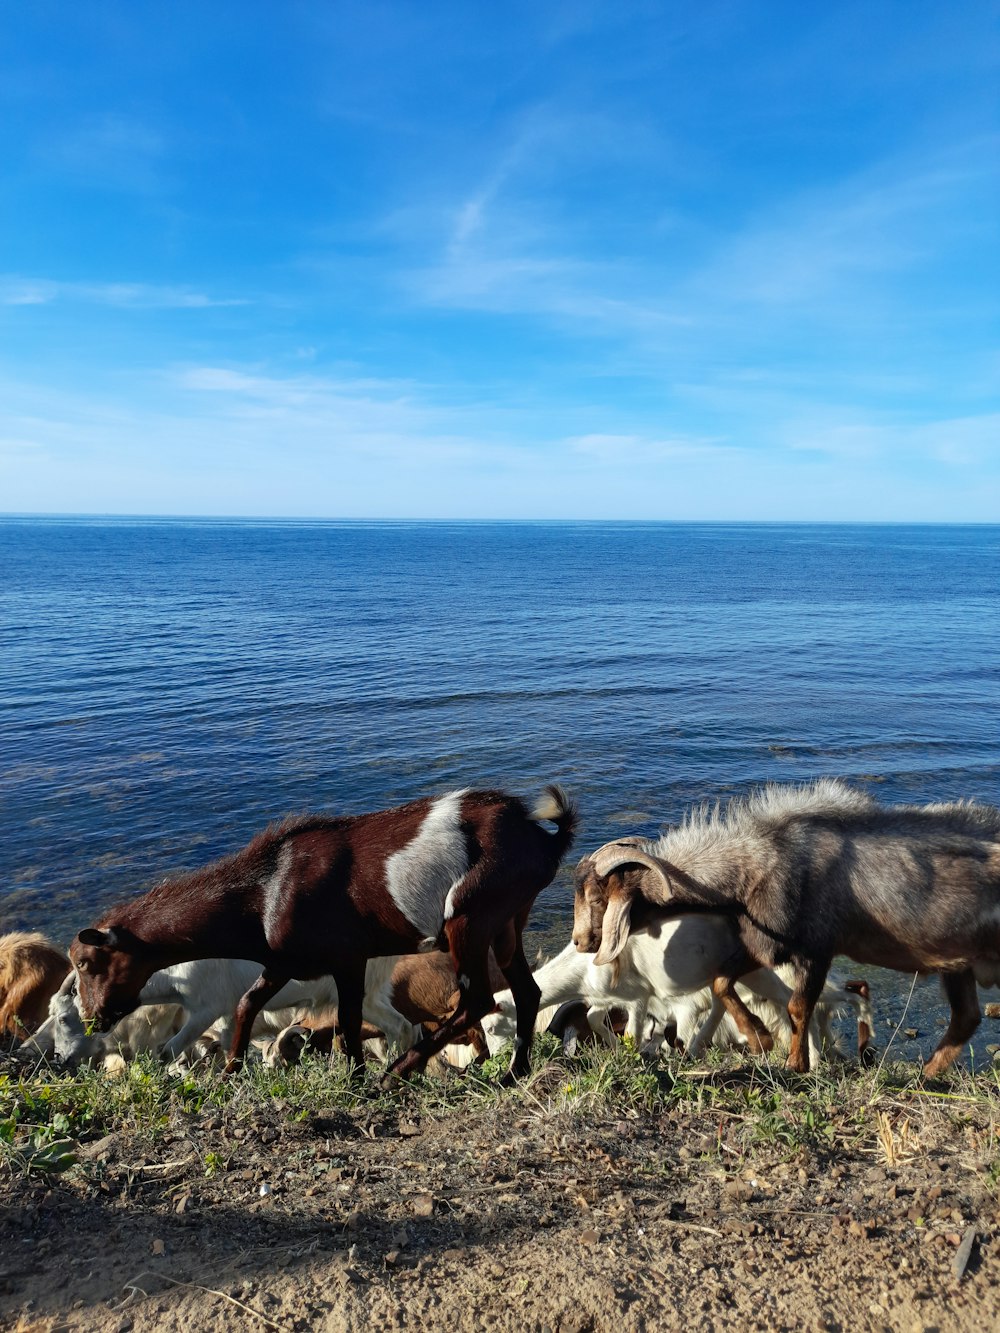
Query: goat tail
x: 556, y: 806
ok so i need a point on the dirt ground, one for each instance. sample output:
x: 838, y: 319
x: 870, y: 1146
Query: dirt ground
x: 517, y: 1216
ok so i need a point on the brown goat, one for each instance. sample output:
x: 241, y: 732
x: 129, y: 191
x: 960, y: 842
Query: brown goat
x: 424, y: 989
x: 320, y: 896
x: 810, y: 872
x: 31, y: 971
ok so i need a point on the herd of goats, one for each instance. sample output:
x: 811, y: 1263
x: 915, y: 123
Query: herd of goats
x: 405, y: 926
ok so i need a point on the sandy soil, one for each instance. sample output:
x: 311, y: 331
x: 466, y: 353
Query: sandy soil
x: 513, y: 1217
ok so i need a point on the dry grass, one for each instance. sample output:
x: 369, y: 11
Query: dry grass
x: 740, y: 1106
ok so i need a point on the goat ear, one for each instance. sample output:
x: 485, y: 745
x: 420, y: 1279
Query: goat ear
x: 616, y: 925
x: 100, y: 939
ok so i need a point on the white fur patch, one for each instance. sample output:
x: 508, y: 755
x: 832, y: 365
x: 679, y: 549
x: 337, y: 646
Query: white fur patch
x: 272, y: 888
x: 422, y: 876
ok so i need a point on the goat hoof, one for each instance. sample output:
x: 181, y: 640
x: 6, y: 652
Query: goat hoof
x: 398, y: 1072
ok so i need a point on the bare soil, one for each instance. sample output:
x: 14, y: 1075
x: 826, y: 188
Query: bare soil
x: 529, y: 1213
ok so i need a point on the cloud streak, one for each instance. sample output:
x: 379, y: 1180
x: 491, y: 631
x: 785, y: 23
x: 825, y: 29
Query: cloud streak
x: 20, y: 291
x: 312, y: 445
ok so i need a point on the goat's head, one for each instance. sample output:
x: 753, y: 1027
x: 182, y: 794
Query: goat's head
x: 71, y: 1043
x: 287, y: 1047
x: 617, y: 890
x: 111, y: 968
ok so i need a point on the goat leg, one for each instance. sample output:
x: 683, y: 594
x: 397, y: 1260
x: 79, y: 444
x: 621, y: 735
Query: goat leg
x: 524, y: 988
x: 866, y: 1051
x: 195, y: 1026
x: 598, y: 1021
x: 756, y: 1032
x: 960, y: 992
x: 350, y: 981
x: 263, y: 989
x: 810, y: 977
x: 705, y: 1031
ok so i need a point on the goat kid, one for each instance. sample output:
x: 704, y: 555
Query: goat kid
x: 810, y: 872
x: 320, y: 896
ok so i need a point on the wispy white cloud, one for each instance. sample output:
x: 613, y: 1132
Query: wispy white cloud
x: 644, y: 451
x: 110, y: 149
x: 207, y: 440
x: 23, y: 291
x: 356, y: 418
x: 961, y: 442
x: 820, y: 247
x: 835, y: 258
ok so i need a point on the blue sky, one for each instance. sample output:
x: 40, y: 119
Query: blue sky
x: 725, y: 261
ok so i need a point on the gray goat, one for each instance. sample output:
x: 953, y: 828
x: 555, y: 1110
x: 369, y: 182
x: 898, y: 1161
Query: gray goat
x: 809, y: 872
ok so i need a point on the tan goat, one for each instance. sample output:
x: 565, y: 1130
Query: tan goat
x: 31, y: 971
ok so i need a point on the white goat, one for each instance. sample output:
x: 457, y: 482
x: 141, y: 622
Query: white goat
x: 63, y: 1035
x: 667, y: 973
x: 207, y: 991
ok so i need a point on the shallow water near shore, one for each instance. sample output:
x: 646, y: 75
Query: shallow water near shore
x: 169, y: 687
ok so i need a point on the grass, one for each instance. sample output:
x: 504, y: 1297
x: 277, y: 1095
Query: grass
x: 731, y: 1108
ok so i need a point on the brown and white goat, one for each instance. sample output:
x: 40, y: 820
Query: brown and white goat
x: 321, y: 895
x: 421, y: 989
x: 810, y: 872
x: 31, y: 971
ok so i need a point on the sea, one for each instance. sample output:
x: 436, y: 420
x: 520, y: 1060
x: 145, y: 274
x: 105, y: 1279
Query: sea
x: 169, y: 687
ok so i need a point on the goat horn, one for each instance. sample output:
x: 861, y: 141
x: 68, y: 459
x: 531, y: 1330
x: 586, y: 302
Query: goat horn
x: 615, y: 856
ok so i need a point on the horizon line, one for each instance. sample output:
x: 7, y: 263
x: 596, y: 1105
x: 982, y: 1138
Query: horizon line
x: 99, y: 516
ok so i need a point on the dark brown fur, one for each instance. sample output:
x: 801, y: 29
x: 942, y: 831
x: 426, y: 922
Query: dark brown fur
x: 309, y: 898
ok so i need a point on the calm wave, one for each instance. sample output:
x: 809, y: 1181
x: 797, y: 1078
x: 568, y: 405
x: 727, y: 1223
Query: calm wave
x: 168, y: 688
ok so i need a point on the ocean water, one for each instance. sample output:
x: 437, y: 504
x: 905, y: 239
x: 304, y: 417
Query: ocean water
x: 169, y: 687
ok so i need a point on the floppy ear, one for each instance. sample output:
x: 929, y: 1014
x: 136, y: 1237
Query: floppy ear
x: 100, y: 939
x: 617, y: 923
